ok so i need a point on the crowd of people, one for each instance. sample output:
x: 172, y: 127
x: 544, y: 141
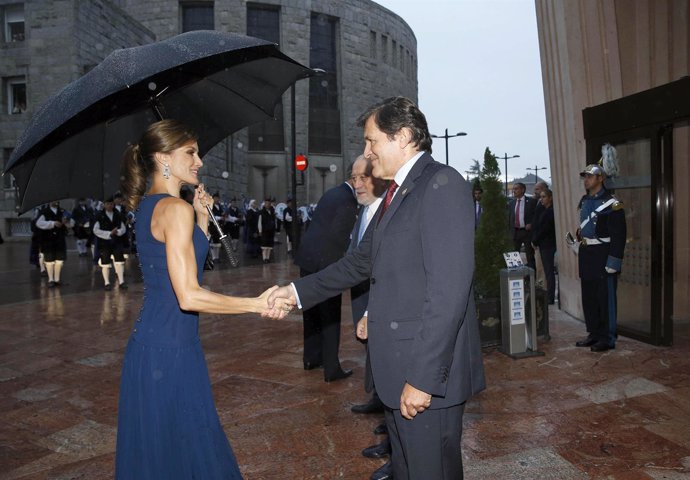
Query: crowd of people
x: 531, y: 228
x: 103, y: 231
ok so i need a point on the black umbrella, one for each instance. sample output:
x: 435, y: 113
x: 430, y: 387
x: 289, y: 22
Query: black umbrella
x: 215, y: 82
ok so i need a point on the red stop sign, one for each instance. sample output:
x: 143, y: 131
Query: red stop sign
x: 301, y: 162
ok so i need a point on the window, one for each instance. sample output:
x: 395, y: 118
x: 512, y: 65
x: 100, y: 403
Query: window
x: 14, y: 23
x: 16, y: 95
x: 384, y: 48
x: 7, y: 180
x: 324, y: 108
x: 394, y: 54
x: 197, y: 16
x: 263, y: 21
x: 372, y: 44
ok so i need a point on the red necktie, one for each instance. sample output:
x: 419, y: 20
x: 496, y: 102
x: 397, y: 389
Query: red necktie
x: 517, y: 213
x: 389, y: 197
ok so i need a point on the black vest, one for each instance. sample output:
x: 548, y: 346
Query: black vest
x: 55, y: 232
x: 106, y: 224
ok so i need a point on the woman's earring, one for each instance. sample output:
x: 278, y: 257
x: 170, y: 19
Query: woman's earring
x: 166, y: 171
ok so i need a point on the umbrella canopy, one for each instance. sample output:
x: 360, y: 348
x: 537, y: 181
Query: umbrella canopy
x: 215, y: 82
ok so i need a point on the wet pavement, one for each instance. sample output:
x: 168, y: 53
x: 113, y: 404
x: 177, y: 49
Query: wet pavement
x: 571, y: 414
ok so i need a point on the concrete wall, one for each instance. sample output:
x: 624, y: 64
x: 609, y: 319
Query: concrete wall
x: 63, y: 39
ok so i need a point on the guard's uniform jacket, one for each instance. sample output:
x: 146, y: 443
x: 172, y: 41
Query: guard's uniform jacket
x: 602, y: 235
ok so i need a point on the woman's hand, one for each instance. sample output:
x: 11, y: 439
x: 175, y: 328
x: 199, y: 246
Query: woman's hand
x: 281, y: 306
x: 201, y: 199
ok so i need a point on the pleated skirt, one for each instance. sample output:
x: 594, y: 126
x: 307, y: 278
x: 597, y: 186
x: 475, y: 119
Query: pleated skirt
x: 168, y: 427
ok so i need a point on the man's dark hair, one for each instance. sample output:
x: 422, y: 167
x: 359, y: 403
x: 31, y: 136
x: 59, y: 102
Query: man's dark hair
x: 395, y: 113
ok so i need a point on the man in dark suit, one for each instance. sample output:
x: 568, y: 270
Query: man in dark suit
x: 325, y: 242
x: 478, y: 210
x: 421, y: 327
x: 369, y: 191
x: 520, y: 217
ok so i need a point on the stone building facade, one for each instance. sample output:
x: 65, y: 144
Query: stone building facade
x: 370, y: 54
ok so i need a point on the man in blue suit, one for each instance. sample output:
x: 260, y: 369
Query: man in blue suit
x: 369, y: 191
x: 421, y: 327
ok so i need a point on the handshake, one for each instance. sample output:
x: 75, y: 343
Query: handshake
x: 277, y: 302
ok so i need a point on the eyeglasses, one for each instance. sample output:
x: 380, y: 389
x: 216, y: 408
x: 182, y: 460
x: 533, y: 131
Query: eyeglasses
x: 361, y: 178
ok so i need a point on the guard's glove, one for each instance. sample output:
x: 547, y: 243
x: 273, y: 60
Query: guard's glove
x: 610, y: 270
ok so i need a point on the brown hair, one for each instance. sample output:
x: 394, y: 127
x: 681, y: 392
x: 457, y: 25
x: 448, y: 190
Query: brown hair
x: 395, y: 113
x: 138, y: 162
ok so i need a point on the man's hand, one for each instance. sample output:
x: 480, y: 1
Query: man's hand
x: 277, y: 309
x: 279, y: 295
x: 413, y: 401
x: 362, y: 332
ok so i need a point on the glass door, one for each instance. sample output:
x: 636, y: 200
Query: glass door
x: 633, y: 187
x: 643, y: 286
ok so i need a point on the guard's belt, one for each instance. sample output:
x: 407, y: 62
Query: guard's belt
x: 595, y: 241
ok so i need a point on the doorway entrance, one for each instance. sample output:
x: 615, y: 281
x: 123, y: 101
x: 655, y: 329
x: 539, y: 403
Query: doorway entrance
x: 650, y: 133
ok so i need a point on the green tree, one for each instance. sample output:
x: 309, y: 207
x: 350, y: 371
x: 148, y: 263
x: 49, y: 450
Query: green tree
x: 491, y: 238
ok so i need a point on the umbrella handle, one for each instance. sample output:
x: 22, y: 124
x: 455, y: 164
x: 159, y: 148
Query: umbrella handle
x: 234, y: 261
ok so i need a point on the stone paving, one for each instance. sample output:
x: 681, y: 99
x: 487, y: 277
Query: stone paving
x: 570, y: 414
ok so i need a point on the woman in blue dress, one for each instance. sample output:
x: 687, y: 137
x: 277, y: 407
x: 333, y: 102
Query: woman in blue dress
x: 168, y: 427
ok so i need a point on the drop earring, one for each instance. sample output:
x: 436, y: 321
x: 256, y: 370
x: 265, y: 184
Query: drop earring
x: 166, y: 171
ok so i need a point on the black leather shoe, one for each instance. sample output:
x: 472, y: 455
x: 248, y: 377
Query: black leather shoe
x: 602, y: 347
x: 338, y: 375
x: 312, y: 365
x: 374, y: 405
x: 586, y: 342
x: 381, y: 429
x: 381, y: 450
x: 383, y: 473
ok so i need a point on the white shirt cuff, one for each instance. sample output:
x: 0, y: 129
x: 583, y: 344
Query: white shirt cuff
x: 294, y: 289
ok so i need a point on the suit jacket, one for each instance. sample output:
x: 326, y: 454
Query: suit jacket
x: 359, y: 299
x: 544, y: 234
x: 422, y: 322
x: 478, y: 211
x: 328, y: 236
x: 530, y: 206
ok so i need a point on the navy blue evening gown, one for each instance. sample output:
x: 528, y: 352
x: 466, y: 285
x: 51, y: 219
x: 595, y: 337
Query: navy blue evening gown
x: 167, y: 427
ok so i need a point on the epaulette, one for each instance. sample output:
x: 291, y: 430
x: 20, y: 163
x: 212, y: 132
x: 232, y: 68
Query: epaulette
x: 617, y: 206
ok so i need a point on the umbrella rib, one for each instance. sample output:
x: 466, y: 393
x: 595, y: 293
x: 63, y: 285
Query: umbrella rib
x: 239, y: 95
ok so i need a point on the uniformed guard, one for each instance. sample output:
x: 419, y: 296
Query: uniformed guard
x: 601, y: 234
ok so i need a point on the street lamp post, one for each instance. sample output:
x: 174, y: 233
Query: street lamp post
x: 446, y: 137
x: 505, y: 158
x: 293, y: 141
x: 536, y: 169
